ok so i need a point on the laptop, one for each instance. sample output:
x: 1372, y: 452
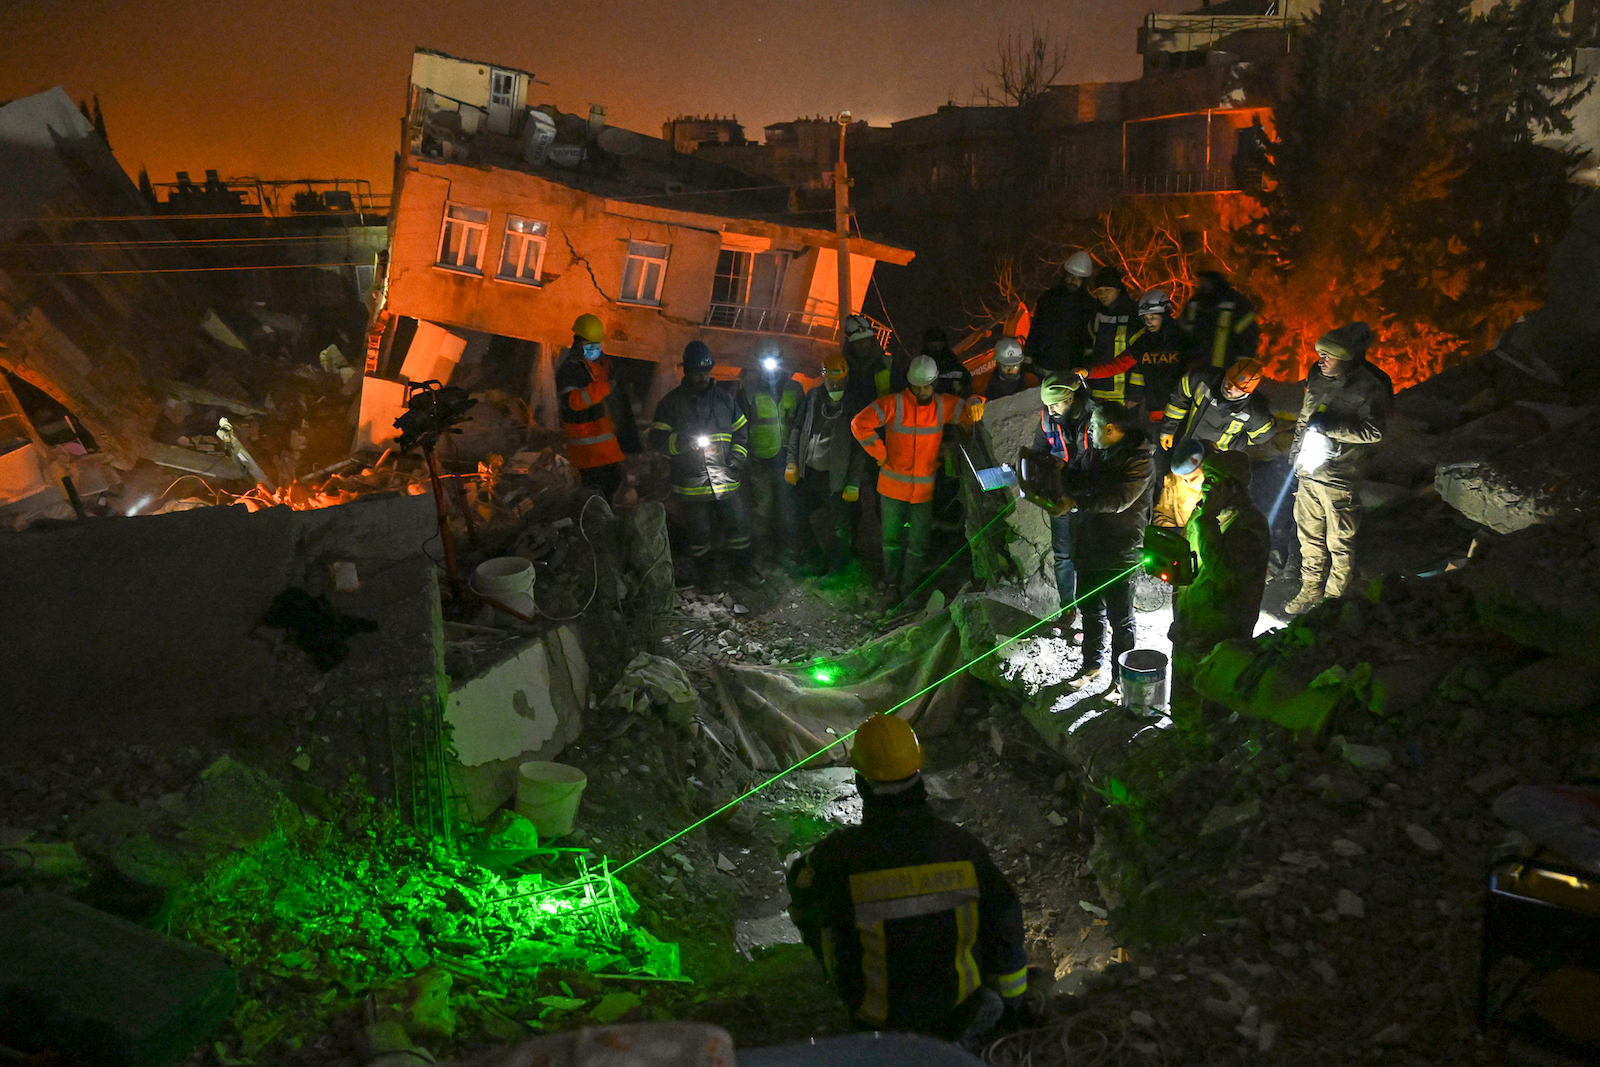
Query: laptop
x: 991, y: 478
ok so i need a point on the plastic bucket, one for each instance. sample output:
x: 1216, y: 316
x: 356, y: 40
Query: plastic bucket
x: 508, y: 579
x: 547, y: 796
x: 1142, y: 678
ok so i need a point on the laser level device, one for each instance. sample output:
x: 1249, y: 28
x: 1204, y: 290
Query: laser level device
x: 1041, y: 474
x: 1167, y: 555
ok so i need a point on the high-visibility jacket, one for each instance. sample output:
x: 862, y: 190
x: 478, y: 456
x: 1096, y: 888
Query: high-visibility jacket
x: 1222, y: 324
x: 1198, y: 411
x: 908, y: 914
x: 992, y: 385
x: 586, y: 424
x: 706, y: 438
x: 1161, y: 355
x: 908, y: 454
x: 1111, y: 331
x: 770, y: 417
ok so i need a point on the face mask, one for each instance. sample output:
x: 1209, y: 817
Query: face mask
x: 835, y: 397
x: 591, y: 351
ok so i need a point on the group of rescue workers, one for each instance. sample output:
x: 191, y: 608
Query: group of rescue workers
x: 1146, y: 413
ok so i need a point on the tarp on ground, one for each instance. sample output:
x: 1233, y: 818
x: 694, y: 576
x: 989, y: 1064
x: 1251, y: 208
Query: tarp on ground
x: 781, y: 715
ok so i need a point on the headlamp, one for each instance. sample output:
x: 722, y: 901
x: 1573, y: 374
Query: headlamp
x: 769, y: 364
x: 703, y: 441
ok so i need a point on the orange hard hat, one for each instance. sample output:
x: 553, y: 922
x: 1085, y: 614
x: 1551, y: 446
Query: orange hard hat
x: 834, y: 365
x: 1245, y: 374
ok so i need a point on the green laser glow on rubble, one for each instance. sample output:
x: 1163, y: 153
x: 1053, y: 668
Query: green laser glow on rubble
x: 753, y: 790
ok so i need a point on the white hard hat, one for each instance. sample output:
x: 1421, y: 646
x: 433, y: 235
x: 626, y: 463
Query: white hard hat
x: 1008, y: 352
x: 924, y: 371
x: 857, y: 327
x: 1080, y: 264
x: 1155, y: 300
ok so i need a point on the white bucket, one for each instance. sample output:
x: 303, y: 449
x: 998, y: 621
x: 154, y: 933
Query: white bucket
x: 509, y: 580
x: 547, y: 796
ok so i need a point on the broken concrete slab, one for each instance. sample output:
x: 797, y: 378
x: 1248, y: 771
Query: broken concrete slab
x: 90, y: 987
x: 1016, y: 550
x: 1556, y: 685
x: 1540, y: 586
x: 511, y: 701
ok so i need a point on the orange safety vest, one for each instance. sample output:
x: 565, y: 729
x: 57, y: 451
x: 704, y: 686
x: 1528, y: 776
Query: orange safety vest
x: 909, y: 451
x: 586, y: 426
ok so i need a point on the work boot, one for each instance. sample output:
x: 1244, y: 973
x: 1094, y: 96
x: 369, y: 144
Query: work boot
x: 1308, y: 597
x: 1092, y: 674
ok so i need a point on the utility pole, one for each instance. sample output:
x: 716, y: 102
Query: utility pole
x: 841, y: 222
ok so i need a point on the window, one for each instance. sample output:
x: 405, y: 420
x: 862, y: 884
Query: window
x: 461, y: 244
x: 522, y: 253
x: 502, y: 84
x: 752, y: 279
x: 643, y: 273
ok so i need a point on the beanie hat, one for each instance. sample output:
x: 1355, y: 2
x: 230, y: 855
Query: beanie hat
x: 1348, y: 342
x: 1186, y: 457
x: 1229, y: 466
x: 1056, y: 390
x: 933, y: 335
x: 1107, y: 277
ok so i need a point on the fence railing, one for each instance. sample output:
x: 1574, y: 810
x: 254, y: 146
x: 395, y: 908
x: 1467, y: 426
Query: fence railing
x: 772, y: 320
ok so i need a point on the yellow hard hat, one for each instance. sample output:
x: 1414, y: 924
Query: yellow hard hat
x: 886, y: 749
x: 588, y: 327
x: 834, y: 365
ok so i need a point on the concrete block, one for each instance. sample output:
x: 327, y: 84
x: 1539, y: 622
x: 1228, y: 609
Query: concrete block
x: 95, y: 989
x: 1558, y: 685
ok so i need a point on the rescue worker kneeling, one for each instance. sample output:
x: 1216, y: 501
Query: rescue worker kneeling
x: 906, y: 910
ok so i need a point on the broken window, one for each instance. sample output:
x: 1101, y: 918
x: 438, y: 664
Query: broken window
x: 522, y: 253
x: 749, y: 279
x: 644, y: 272
x: 461, y: 243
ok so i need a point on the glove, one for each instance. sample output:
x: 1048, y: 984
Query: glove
x: 1167, y: 441
x: 1082, y: 372
x: 975, y: 409
x: 791, y: 474
x: 851, y: 494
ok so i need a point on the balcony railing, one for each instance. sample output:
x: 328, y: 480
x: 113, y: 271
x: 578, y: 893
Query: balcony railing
x: 772, y: 320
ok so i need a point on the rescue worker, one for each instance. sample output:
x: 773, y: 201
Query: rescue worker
x: 1181, y: 487
x: 706, y: 438
x: 1160, y: 350
x: 769, y: 402
x: 1345, y: 412
x: 1220, y: 321
x: 1229, y: 536
x: 1059, y: 333
x: 1113, y: 375
x: 1007, y: 378
x: 908, y: 455
x: 597, y: 424
x: 1230, y: 539
x: 825, y: 463
x: 1063, y: 432
x: 954, y: 377
x: 1218, y: 408
x: 914, y: 924
x: 1108, y: 493
x: 867, y: 359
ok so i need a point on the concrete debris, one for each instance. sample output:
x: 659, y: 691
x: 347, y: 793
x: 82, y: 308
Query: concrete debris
x: 1423, y: 838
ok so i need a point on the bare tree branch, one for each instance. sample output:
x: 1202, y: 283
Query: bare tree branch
x: 1024, y: 66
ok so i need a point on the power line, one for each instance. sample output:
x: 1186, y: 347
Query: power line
x: 182, y: 270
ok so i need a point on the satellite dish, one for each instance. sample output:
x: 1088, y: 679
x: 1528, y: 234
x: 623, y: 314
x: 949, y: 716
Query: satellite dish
x: 616, y: 141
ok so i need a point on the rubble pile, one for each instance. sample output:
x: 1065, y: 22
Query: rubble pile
x: 712, y: 626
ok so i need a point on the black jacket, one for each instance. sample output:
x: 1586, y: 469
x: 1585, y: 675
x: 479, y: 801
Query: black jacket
x: 681, y: 420
x: 1352, y: 412
x: 907, y: 913
x: 1197, y: 410
x: 1111, y: 489
x: 1221, y: 324
x: 1161, y: 354
x: 1224, y: 600
x: 1059, y: 333
x: 846, y: 461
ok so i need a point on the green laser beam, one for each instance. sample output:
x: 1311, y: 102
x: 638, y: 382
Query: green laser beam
x: 753, y: 790
x: 936, y: 571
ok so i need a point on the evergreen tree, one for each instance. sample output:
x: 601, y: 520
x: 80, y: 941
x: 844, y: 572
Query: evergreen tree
x: 1404, y: 186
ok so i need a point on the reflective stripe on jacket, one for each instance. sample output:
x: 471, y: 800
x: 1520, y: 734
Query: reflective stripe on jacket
x: 682, y: 421
x: 1223, y: 326
x: 1198, y: 411
x: 908, y: 914
x: 1111, y: 331
x: 770, y: 418
x: 909, y: 451
x: 586, y: 426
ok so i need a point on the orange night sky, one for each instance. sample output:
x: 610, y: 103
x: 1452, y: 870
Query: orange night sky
x: 312, y: 88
